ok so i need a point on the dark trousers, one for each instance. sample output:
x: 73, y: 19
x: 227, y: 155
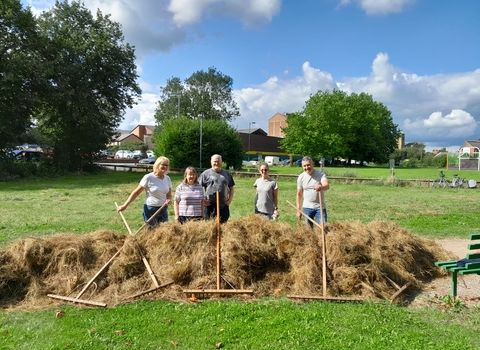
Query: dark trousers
x: 184, y: 219
x: 211, y: 211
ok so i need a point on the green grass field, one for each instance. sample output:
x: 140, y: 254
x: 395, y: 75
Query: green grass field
x: 81, y: 204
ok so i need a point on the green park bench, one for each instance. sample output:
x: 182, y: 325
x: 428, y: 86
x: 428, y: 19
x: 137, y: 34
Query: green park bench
x: 470, y: 264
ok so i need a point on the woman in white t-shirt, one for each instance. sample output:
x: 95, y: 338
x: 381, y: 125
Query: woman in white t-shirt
x: 158, y: 191
x: 266, y: 198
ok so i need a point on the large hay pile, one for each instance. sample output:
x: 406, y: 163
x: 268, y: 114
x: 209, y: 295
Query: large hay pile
x: 271, y: 258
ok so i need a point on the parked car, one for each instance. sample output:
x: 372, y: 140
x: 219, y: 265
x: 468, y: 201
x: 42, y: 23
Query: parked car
x: 150, y: 153
x: 139, y: 155
x: 271, y: 160
x: 149, y: 160
x: 27, y: 155
x: 254, y: 161
x: 29, y: 147
x: 106, y: 153
x: 123, y: 154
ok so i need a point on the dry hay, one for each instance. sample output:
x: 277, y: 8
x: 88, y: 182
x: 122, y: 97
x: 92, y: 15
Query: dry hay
x: 269, y: 257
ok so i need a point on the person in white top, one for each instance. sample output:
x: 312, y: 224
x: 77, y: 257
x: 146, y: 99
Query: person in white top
x: 311, y: 184
x: 266, y: 198
x: 158, y: 191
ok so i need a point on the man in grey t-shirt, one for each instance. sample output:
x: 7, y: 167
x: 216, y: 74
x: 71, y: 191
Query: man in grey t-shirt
x: 218, y: 180
x: 310, y: 186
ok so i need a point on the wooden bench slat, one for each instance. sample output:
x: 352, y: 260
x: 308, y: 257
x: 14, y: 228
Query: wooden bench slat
x: 451, y: 266
x: 469, y: 271
x: 445, y: 263
x: 475, y: 265
x: 474, y: 246
x: 473, y: 256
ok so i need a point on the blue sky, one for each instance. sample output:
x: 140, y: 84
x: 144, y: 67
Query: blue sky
x: 421, y: 58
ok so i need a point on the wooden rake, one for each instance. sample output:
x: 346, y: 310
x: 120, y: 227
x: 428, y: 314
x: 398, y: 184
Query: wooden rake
x: 324, y: 259
x: 144, y: 259
x: 92, y: 280
x: 219, y: 276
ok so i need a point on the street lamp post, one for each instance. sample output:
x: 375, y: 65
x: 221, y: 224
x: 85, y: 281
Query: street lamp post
x: 249, y: 132
x: 201, y: 130
x: 178, y: 104
x: 177, y: 95
x: 206, y: 89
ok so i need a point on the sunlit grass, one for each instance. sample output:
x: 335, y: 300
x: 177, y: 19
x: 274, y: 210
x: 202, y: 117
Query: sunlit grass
x: 265, y: 324
x: 82, y: 204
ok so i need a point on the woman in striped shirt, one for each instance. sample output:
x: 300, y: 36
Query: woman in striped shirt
x: 189, y: 198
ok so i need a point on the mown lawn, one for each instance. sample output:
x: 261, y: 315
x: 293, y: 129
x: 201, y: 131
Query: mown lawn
x: 81, y: 204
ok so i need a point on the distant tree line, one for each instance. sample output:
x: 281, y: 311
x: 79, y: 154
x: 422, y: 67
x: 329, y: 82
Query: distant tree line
x: 414, y: 155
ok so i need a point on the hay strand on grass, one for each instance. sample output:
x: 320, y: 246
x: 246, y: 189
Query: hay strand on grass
x: 269, y: 257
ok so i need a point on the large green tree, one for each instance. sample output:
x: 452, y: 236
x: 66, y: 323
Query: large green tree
x: 340, y: 125
x: 205, y: 94
x: 92, y: 80
x: 180, y: 142
x: 20, y: 70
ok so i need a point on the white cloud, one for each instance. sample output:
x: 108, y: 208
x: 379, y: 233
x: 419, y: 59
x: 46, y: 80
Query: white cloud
x: 160, y: 25
x: 413, y: 97
x: 251, y: 12
x: 142, y: 113
x: 458, y: 124
x: 439, y: 109
x: 261, y: 102
x: 380, y: 7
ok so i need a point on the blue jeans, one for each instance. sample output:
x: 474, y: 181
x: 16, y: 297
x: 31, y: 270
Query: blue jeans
x: 314, y: 214
x: 148, y: 211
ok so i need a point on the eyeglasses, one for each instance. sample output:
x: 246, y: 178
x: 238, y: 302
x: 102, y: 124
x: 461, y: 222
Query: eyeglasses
x: 165, y: 165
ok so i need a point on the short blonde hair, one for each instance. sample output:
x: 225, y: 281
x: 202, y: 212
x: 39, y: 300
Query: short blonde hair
x: 156, y: 165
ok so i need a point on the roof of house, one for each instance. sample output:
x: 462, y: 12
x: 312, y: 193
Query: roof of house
x: 472, y: 143
x: 150, y: 127
x: 256, y: 131
x: 124, y: 136
x: 260, y: 143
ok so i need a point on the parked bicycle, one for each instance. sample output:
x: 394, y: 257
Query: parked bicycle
x: 441, y: 182
x: 458, y: 182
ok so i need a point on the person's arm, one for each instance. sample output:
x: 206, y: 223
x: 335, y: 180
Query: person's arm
x: 136, y: 192
x: 232, y: 192
x: 299, y: 202
x: 322, y: 185
x: 275, y: 202
x: 325, y: 185
x: 203, y: 208
x: 169, y: 196
x: 176, y: 207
